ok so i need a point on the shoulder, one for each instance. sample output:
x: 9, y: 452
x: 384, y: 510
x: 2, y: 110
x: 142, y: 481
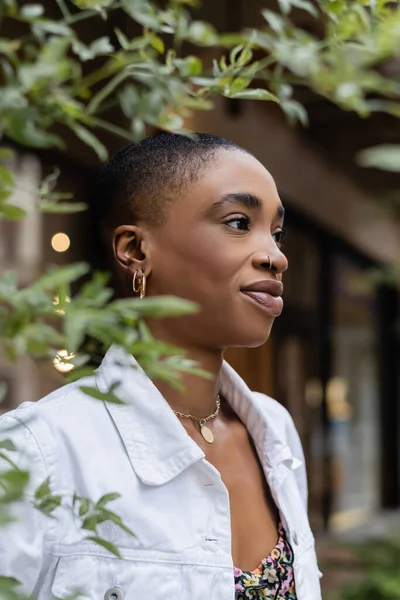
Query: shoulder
x: 67, y: 415
x: 57, y: 405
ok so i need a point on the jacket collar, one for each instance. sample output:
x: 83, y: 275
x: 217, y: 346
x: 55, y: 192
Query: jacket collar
x: 157, y: 445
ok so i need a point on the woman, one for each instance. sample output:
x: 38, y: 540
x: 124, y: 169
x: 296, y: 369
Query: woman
x: 212, y: 479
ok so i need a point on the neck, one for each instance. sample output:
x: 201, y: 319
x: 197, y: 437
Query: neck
x: 198, y: 395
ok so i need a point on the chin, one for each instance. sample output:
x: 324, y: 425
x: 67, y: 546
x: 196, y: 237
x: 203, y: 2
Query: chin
x: 251, y: 337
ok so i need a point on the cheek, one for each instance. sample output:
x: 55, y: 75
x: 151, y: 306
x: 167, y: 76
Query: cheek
x: 195, y: 268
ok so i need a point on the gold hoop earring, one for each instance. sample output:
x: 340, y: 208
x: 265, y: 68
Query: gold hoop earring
x: 139, y: 284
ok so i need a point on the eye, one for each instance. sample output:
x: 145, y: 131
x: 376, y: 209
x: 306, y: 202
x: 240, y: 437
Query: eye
x: 279, y: 236
x: 241, y: 223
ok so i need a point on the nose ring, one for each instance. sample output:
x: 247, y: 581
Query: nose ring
x: 269, y: 263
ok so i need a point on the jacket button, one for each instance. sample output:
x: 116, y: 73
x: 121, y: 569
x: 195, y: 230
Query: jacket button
x: 113, y: 593
x: 295, y: 538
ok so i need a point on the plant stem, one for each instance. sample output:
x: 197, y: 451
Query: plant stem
x: 63, y: 8
x: 87, y: 14
x: 111, y: 128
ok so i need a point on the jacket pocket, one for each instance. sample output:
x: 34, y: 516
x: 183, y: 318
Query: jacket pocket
x: 97, y: 577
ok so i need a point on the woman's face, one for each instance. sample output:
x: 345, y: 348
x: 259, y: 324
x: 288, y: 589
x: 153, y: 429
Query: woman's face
x: 215, y: 249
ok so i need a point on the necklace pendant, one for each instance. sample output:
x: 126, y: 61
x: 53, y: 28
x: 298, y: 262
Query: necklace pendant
x: 206, y: 433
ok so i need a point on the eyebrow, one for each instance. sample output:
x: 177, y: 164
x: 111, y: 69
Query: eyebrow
x: 247, y: 200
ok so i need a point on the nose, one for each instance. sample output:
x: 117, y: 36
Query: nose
x: 273, y: 260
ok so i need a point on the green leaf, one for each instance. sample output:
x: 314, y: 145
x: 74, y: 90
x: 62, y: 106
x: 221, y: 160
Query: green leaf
x: 255, y: 94
x: 43, y: 490
x: 276, y: 22
x: 107, y: 545
x: 287, y: 5
x: 122, y: 39
x: 6, y: 177
x: 84, y: 506
x: 384, y: 156
x: 157, y: 43
x: 111, y: 516
x: 202, y: 33
x: 49, y: 504
x: 14, y: 483
x: 97, y: 48
x: 57, y: 276
x: 295, y: 112
x: 158, y: 307
x: 144, y: 13
x: 98, y: 395
x: 31, y: 11
x: 107, y: 498
x: 11, y: 212
x: 55, y: 27
x: 27, y: 132
x: 239, y: 84
x: 90, y: 140
x: 190, y: 66
x: 6, y: 153
x: 65, y: 208
x: 8, y: 445
x: 91, y: 523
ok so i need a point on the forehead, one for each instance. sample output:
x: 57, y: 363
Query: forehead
x: 231, y: 172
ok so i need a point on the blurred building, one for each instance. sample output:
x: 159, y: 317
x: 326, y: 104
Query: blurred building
x: 333, y: 359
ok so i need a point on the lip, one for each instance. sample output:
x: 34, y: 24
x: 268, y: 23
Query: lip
x: 267, y: 294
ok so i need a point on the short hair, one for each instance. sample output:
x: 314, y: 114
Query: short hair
x: 139, y: 182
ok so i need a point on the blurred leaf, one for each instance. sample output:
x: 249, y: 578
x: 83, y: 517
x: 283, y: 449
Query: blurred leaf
x: 163, y: 306
x: 97, y: 48
x: 61, y: 207
x: 43, y: 490
x: 25, y: 131
x: 6, y: 153
x: 385, y: 156
x: 157, y: 43
x: 48, y: 504
x: 54, y: 27
x: 105, y: 544
x: 255, y: 94
x: 91, y: 523
x: 7, y: 445
x: 202, y: 33
x: 13, y: 483
x: 287, y: 5
x: 84, y: 507
x: 97, y: 4
x: 98, y: 395
x: 295, y: 112
x: 32, y: 11
x: 90, y: 140
x: 143, y: 12
x: 106, y: 499
x: 274, y: 21
x: 3, y: 392
x: 6, y: 178
x: 11, y: 212
x: 57, y: 276
x: 190, y: 66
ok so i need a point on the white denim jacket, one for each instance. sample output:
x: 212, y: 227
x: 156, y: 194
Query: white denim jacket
x: 170, y: 495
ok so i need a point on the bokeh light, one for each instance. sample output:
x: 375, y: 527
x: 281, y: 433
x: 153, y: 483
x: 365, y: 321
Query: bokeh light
x: 61, y: 363
x: 60, y: 242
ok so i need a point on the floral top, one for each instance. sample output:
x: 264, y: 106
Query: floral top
x: 273, y: 578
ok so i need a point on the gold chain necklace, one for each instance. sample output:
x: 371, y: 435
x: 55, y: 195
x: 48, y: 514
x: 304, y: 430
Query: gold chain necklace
x: 204, y: 430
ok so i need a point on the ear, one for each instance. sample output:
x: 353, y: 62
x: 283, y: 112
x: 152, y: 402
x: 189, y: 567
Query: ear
x: 129, y: 249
